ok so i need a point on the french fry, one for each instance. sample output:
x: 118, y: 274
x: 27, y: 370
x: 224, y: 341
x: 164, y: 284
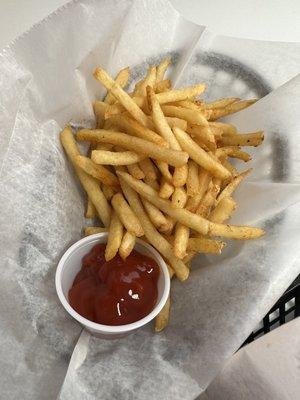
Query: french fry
x: 189, y: 258
x: 246, y: 139
x: 221, y: 102
x: 200, y: 156
x: 185, y: 217
x: 180, y: 176
x: 180, y: 123
x: 91, y: 230
x: 181, y: 238
x: 90, y: 185
x: 135, y: 171
x: 156, y: 216
x: 230, y: 109
x: 230, y: 188
x: 122, y: 96
x: 152, y: 183
x: 179, y: 198
x: 115, y: 234
x: 127, y: 245
x: 161, y: 69
x: 99, y: 110
x: 134, y: 128
x: 205, y: 245
x: 97, y: 171
x: 204, y: 134
x: 162, y: 86
x: 148, y: 168
x: 141, y: 146
x: 90, y: 210
x: 227, y: 129
x: 167, y: 229
x: 162, y: 319
x: 192, y: 183
x: 102, y: 146
x: 164, y: 170
x: 126, y: 215
x: 208, y: 200
x: 149, y: 80
x: 122, y: 79
x: 191, y: 116
x: 230, y: 168
x: 166, y: 189
x: 108, y: 192
x: 186, y: 104
x: 204, y: 181
x: 180, y: 94
x: 223, y: 211
x: 115, y: 158
x: 234, y: 152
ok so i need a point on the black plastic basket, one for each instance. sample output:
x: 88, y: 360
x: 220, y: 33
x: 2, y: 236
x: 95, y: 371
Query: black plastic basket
x: 286, y: 309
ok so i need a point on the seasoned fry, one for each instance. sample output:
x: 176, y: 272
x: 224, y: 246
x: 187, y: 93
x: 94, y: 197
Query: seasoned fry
x: 148, y: 81
x: 205, y: 245
x: 97, y: 171
x: 156, y: 216
x: 152, y: 235
x: 162, y: 319
x: 191, y: 116
x: 179, y: 198
x: 115, y: 234
x: 90, y: 210
x: 230, y: 188
x: 234, y: 152
x: 122, y: 96
x: 91, y: 230
x: 132, y: 127
x: 127, y: 245
x: 192, y: 183
x: 90, y: 185
x: 204, y: 180
x: 161, y: 69
x: 108, y: 192
x: 180, y: 123
x: 164, y: 170
x: 227, y: 129
x: 230, y: 109
x: 135, y: 171
x: 208, y: 200
x: 180, y: 94
x: 246, y: 139
x: 152, y: 183
x: 203, y: 134
x: 126, y: 215
x: 99, y: 110
x: 149, y: 170
x: 230, y: 168
x: 121, y: 79
x: 166, y: 189
x: 115, y: 158
x: 221, y: 102
x: 200, y: 156
x: 185, y: 217
x: 162, y: 86
x: 223, y: 210
x: 181, y: 238
x: 180, y: 176
x: 172, y: 157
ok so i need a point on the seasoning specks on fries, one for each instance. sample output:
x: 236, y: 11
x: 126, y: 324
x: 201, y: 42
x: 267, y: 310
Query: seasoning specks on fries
x: 160, y: 169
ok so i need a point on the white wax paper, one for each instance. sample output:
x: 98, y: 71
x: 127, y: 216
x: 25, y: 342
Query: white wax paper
x: 46, y: 81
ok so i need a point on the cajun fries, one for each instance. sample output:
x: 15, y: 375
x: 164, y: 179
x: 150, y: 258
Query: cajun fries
x: 159, y: 168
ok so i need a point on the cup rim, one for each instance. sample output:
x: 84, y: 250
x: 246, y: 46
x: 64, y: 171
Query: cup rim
x: 111, y: 328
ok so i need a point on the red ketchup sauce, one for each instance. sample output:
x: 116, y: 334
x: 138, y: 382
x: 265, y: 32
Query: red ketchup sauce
x: 114, y: 292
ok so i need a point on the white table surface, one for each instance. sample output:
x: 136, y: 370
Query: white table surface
x: 257, y: 19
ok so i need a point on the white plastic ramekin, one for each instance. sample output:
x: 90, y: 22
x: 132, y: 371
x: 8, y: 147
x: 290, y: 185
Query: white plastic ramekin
x: 70, y: 264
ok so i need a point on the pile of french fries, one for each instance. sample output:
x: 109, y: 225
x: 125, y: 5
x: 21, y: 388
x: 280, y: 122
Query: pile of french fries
x: 159, y: 168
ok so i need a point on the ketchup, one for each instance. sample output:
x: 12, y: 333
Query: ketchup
x: 114, y: 292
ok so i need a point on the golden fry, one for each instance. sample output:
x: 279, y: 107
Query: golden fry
x: 108, y: 192
x: 179, y: 198
x: 181, y: 238
x: 99, y: 110
x: 126, y: 215
x: 121, y: 79
x: 221, y: 102
x: 91, y: 230
x: 97, y: 171
x: 200, y: 156
x: 180, y: 176
x: 166, y: 189
x: 115, y: 234
x: 180, y: 94
x: 162, y: 319
x: 161, y: 69
x: 127, y: 245
x: 162, y: 86
x: 205, y: 245
x: 156, y: 216
x: 164, y: 170
x: 180, y: 123
x: 230, y: 109
x: 192, y: 183
x: 149, y: 169
x: 141, y: 146
x: 135, y: 171
x: 90, y: 185
x: 230, y: 188
x: 223, y: 210
x: 115, y: 158
x: 90, y: 210
x: 246, y: 139
x: 227, y: 129
x: 208, y: 200
x: 203, y: 134
x: 191, y: 116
